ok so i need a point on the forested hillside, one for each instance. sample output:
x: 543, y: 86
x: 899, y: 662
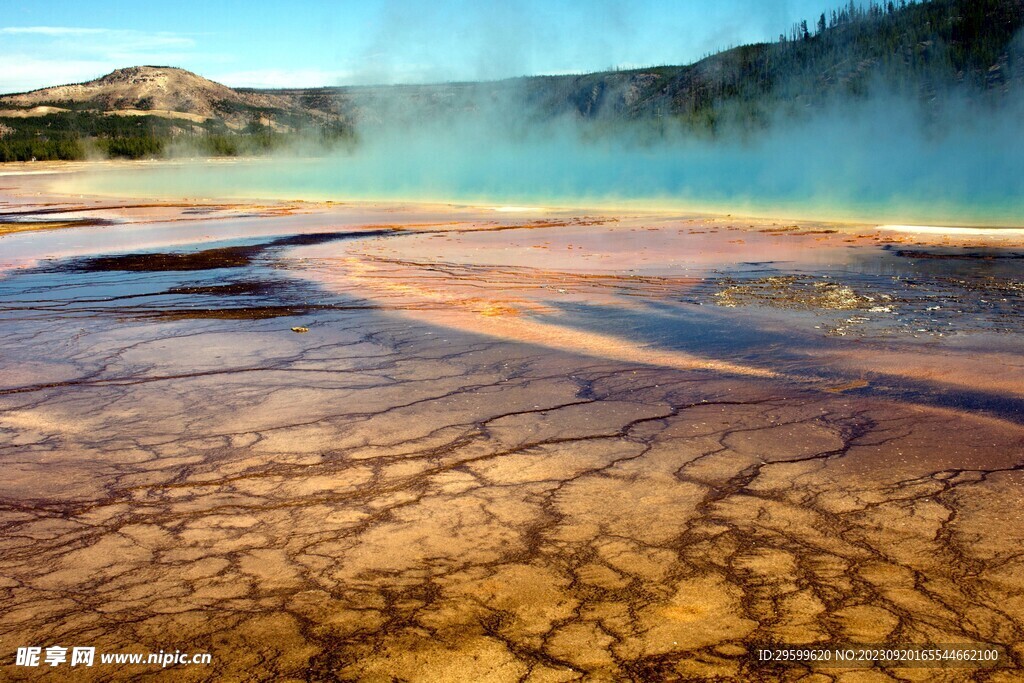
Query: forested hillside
x: 918, y: 50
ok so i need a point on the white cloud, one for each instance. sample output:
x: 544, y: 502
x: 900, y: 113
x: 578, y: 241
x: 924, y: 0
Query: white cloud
x: 100, y: 39
x: 50, y: 30
x: 19, y: 73
x: 40, y: 56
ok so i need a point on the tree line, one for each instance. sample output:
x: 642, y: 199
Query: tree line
x: 86, y: 134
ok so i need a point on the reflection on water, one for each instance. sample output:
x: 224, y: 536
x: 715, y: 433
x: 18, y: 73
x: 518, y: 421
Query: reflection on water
x: 652, y: 178
x: 794, y: 350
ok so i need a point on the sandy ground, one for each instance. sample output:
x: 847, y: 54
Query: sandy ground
x: 544, y: 445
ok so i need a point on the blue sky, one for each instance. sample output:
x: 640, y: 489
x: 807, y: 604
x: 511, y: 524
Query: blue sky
x: 268, y: 43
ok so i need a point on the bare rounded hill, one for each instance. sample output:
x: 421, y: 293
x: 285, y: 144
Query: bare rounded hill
x: 152, y: 89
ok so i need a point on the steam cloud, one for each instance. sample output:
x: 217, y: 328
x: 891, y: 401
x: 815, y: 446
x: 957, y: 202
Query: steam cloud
x: 882, y: 158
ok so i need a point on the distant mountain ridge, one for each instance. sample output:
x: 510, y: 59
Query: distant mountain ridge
x: 920, y: 50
